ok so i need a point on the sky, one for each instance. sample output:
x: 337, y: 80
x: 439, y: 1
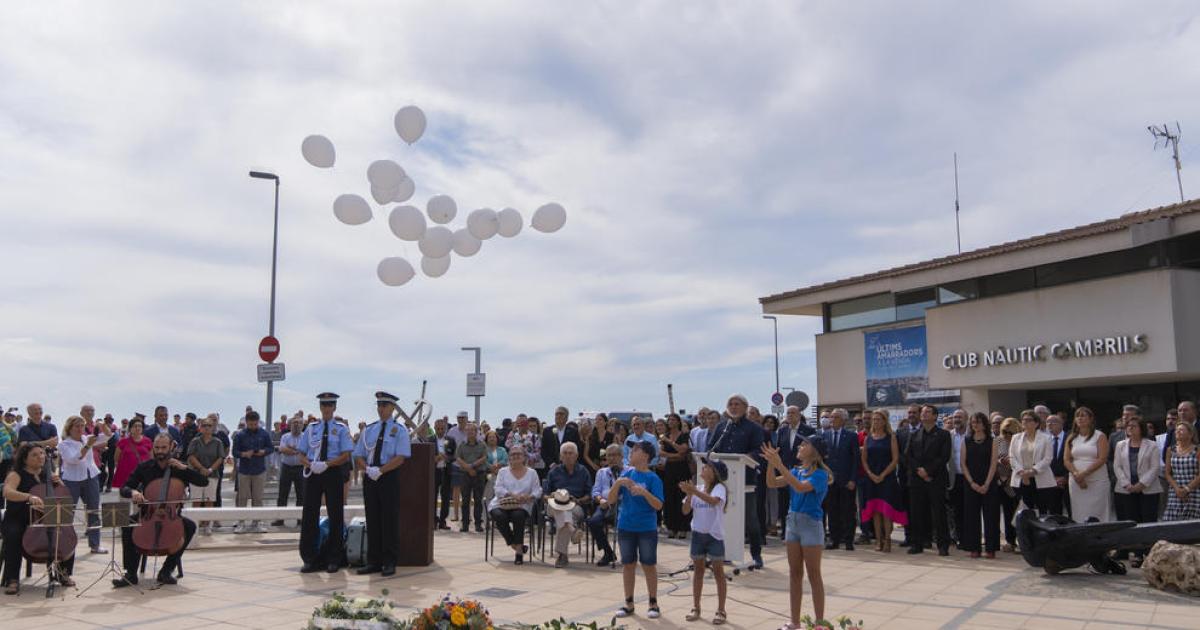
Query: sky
x: 707, y: 153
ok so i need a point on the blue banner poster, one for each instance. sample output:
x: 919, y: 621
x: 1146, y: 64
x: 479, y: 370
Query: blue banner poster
x: 897, y: 366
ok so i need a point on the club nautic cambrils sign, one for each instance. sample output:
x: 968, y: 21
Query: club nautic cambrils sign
x: 1043, y: 352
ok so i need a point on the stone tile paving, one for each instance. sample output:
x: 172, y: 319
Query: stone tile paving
x: 236, y: 581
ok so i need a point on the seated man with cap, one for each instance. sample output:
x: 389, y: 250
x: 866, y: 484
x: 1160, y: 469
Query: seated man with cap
x: 325, y: 446
x: 382, y: 448
x: 567, y: 488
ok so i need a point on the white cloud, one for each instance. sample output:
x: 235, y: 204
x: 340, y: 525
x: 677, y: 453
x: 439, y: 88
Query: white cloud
x: 708, y: 154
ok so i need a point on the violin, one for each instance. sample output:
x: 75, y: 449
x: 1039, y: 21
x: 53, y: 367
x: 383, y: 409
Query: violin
x: 48, y: 544
x: 160, y: 524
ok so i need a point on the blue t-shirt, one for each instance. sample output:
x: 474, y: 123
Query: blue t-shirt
x: 810, y: 502
x: 635, y: 514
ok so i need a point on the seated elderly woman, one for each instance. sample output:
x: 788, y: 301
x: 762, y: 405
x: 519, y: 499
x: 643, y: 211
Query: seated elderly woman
x: 517, y: 487
x: 568, y: 489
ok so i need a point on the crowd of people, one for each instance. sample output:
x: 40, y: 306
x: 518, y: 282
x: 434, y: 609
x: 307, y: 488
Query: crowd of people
x: 950, y: 480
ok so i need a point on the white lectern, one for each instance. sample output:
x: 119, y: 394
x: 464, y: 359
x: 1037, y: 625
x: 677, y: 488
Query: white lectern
x: 735, y: 510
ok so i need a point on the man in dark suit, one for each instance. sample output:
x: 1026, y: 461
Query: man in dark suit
x: 1057, y: 497
x: 553, y: 437
x: 843, y: 460
x: 788, y: 440
x: 927, y: 455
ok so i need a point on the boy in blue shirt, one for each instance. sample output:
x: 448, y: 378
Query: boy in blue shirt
x: 640, y: 493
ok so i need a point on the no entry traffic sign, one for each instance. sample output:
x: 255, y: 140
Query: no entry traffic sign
x: 268, y: 349
x: 776, y: 398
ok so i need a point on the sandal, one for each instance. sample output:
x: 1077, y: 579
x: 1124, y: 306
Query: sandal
x: 720, y: 618
x: 694, y: 615
x: 13, y: 588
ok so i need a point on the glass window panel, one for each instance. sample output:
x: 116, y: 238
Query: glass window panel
x: 958, y: 291
x: 912, y: 304
x: 864, y: 311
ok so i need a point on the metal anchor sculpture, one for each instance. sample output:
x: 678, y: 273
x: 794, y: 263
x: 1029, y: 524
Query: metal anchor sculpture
x: 1056, y: 543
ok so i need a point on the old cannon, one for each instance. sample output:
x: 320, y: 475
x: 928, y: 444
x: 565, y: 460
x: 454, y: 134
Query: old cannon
x: 1055, y: 542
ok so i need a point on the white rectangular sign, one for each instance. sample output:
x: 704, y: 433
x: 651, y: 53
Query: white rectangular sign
x: 269, y: 372
x: 476, y: 384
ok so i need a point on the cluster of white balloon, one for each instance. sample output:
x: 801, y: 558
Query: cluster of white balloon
x: 391, y: 184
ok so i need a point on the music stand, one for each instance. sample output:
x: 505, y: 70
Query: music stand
x: 113, y: 515
x: 56, y: 512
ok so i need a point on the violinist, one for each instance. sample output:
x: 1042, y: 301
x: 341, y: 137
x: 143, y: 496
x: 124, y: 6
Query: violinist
x: 146, y: 472
x: 28, y: 466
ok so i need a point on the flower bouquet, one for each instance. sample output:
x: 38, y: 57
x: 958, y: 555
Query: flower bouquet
x: 359, y: 613
x: 843, y: 623
x: 451, y: 614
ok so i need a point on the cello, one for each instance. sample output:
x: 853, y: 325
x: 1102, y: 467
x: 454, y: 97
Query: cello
x: 49, y: 544
x: 160, y: 522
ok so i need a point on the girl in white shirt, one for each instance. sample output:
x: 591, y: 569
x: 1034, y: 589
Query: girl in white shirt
x: 706, y: 504
x: 82, y: 476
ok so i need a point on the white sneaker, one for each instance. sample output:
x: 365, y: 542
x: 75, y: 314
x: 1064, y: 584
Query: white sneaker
x: 99, y: 550
x: 208, y: 530
x: 653, y: 612
x: 260, y: 528
x: 623, y: 612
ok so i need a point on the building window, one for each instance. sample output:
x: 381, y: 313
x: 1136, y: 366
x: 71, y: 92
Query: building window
x: 958, y: 291
x: 1007, y: 282
x: 864, y: 311
x: 912, y: 304
x: 1099, y: 266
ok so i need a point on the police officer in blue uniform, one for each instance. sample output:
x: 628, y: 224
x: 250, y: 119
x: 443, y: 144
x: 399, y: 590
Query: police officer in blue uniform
x: 382, y: 448
x: 325, y: 446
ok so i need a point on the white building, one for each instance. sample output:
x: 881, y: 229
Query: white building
x: 1099, y: 315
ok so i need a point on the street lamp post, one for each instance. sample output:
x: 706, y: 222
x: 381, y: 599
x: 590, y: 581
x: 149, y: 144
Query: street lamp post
x: 477, y: 352
x: 775, y: 321
x: 274, y: 259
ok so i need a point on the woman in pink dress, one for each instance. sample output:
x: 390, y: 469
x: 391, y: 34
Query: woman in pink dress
x: 132, y: 450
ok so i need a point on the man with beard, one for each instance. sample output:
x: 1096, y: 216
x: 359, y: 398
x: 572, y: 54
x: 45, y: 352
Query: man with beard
x: 146, y: 472
x: 737, y: 433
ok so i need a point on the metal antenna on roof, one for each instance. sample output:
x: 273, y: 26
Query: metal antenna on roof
x: 957, y: 229
x: 1167, y: 138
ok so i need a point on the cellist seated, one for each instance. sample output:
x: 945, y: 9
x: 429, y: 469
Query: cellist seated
x: 19, y: 486
x: 146, y: 472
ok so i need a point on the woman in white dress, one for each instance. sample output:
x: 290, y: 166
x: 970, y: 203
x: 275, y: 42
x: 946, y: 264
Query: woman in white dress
x: 1086, y: 458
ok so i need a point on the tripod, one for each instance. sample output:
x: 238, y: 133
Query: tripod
x: 113, y: 516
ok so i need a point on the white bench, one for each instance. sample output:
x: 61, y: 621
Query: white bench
x: 264, y: 513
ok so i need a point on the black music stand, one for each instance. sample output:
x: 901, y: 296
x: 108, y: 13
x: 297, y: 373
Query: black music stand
x: 56, y: 512
x: 113, y: 516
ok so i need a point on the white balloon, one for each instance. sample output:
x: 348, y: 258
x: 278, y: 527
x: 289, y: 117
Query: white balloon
x: 510, y: 222
x: 351, y: 209
x: 410, y: 123
x: 441, y: 209
x: 465, y: 244
x: 435, y: 267
x: 483, y: 223
x: 549, y: 218
x: 383, y: 195
x: 405, y: 191
x: 407, y: 223
x: 437, y: 242
x: 318, y: 151
x: 395, y: 271
x: 385, y: 174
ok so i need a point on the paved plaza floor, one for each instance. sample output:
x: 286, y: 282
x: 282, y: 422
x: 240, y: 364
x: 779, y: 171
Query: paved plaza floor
x: 253, y: 581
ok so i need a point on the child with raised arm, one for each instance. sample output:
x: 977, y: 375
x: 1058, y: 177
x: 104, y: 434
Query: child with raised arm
x: 808, y: 482
x: 639, y: 492
x: 706, y: 503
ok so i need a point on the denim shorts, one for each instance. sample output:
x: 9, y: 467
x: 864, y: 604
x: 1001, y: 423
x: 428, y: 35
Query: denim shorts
x: 804, y: 529
x: 638, y: 547
x: 705, y: 546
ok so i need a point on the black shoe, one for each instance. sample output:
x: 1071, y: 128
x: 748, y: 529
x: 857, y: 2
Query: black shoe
x: 166, y: 578
x: 520, y: 559
x: 122, y: 582
x: 478, y: 528
x: 606, y: 560
x: 368, y: 570
x: 757, y: 564
x: 333, y: 568
x: 915, y: 549
x: 443, y: 525
x: 831, y: 545
x: 464, y: 529
x: 388, y: 570
x: 849, y: 546
x: 943, y: 551
x: 904, y: 543
x: 309, y: 567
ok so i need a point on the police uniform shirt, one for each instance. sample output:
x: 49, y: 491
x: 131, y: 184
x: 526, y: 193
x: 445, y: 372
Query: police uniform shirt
x: 339, y: 440
x: 395, y: 442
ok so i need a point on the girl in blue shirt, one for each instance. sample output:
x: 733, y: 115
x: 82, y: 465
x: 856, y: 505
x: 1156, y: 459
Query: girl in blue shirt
x: 640, y: 492
x: 808, y: 481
